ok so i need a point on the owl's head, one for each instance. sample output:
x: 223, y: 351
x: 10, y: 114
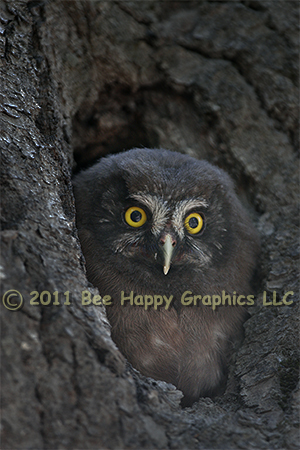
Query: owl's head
x: 158, y: 213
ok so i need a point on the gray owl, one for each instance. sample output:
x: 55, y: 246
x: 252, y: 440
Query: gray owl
x: 156, y: 224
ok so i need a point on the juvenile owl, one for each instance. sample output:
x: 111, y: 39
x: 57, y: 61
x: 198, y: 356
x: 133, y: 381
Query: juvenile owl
x: 165, y: 236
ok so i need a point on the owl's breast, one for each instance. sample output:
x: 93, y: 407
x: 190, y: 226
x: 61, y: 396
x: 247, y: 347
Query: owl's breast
x: 169, y: 346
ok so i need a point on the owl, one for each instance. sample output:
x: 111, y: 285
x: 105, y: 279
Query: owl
x: 161, y: 225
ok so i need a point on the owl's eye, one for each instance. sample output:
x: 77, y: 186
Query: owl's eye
x: 193, y: 223
x: 135, y: 216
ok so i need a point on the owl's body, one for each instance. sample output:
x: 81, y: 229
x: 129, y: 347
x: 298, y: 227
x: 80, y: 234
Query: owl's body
x: 155, y: 222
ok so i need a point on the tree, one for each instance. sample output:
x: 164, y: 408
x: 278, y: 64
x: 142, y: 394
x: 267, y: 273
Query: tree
x: 217, y: 80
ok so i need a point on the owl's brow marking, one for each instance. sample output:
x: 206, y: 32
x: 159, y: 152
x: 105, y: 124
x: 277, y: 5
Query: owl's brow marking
x: 190, y: 203
x: 181, y: 210
x: 158, y: 207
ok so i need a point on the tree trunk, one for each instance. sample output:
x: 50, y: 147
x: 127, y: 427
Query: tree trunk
x: 217, y: 80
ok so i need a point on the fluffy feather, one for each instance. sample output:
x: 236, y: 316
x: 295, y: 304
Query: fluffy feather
x: 188, y: 346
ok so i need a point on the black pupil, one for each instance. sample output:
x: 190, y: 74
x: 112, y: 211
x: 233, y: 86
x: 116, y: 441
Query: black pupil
x: 193, y: 222
x: 136, y: 216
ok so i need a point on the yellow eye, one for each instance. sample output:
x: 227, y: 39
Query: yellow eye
x: 135, y: 217
x: 193, y: 223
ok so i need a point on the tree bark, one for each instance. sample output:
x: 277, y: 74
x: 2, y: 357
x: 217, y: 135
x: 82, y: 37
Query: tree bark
x: 80, y: 79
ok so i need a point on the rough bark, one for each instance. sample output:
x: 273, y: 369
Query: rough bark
x: 217, y: 80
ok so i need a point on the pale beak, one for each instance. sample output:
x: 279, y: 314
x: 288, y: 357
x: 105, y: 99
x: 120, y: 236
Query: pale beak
x: 168, y: 248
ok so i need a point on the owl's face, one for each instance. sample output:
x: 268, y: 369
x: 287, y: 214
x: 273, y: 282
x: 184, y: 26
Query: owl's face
x: 158, y: 215
x: 159, y: 231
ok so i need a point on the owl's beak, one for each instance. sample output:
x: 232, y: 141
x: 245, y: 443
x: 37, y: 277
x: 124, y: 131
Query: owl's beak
x: 168, y: 244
